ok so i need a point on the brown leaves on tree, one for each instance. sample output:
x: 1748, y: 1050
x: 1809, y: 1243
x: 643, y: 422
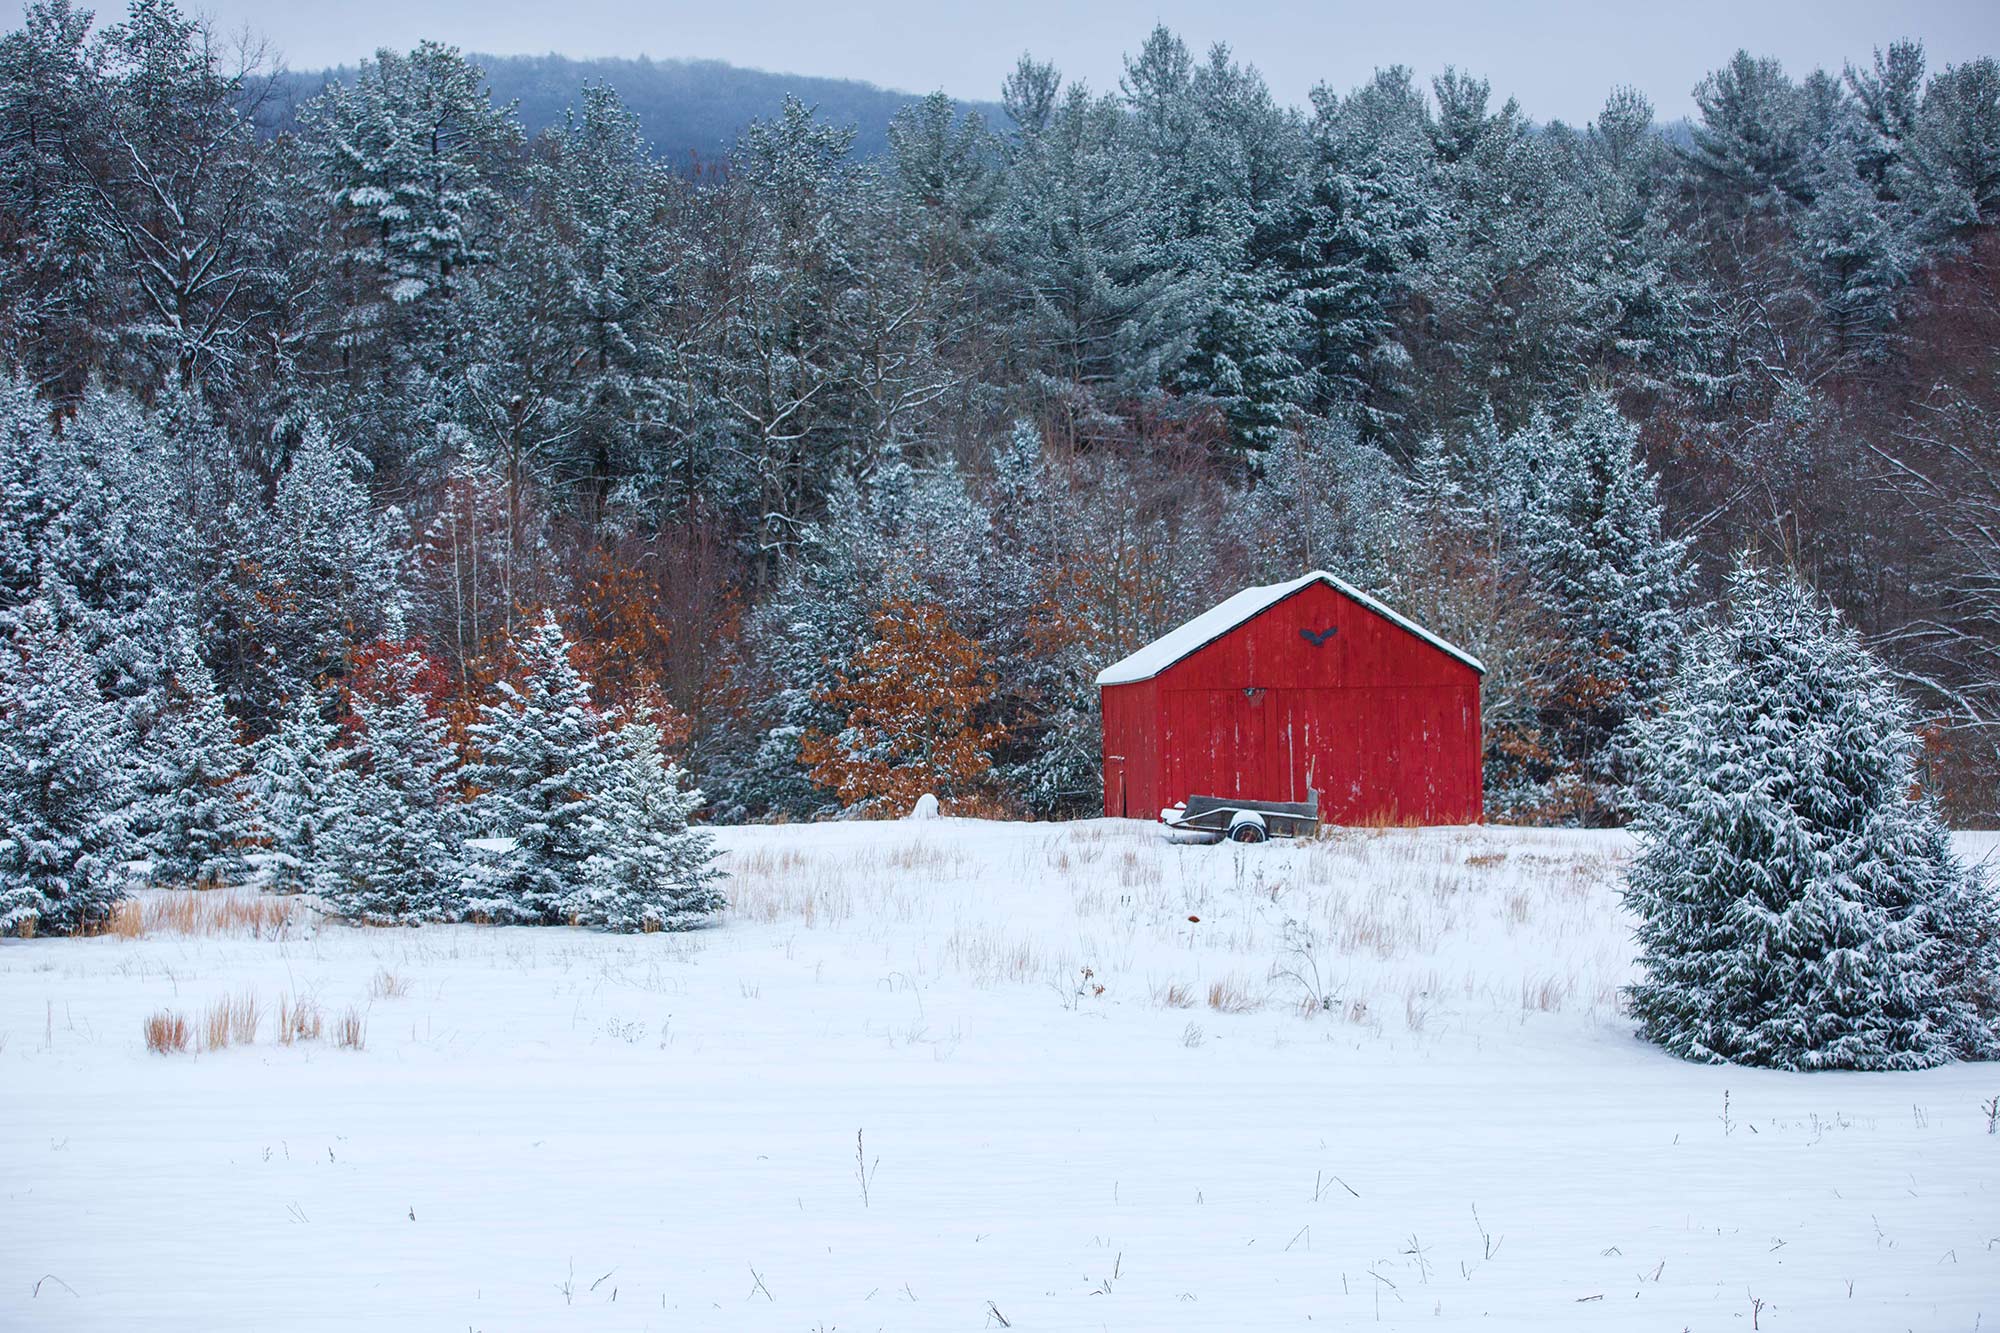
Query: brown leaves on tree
x: 914, y: 701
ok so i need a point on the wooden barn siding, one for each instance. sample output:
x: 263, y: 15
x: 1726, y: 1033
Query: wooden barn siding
x: 1382, y: 722
x: 1131, y: 743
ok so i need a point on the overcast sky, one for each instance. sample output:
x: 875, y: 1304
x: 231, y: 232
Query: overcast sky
x: 1558, y: 57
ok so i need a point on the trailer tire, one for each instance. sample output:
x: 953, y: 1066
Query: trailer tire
x: 1247, y: 826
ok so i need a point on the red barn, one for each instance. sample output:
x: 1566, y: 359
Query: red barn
x: 1306, y: 684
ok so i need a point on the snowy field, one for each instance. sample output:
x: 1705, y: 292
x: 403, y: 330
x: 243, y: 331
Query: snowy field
x: 1381, y: 1078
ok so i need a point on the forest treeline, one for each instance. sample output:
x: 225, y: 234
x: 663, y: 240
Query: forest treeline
x: 848, y: 475
x: 691, y: 111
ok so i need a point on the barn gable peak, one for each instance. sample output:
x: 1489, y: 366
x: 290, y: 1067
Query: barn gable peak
x: 1245, y: 606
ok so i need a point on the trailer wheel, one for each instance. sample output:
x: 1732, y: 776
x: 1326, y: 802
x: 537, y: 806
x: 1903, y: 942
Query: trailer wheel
x: 1247, y: 826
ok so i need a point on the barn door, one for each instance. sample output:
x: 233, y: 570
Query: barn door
x: 1237, y: 752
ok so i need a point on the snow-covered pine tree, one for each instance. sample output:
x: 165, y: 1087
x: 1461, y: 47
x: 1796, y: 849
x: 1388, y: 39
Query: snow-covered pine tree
x: 62, y: 784
x: 398, y: 858
x: 540, y: 749
x: 327, y: 574
x: 301, y: 788
x: 650, y: 870
x: 1951, y: 167
x: 1797, y: 907
x: 1749, y: 142
x: 1862, y: 251
x: 1595, y: 542
x: 192, y: 806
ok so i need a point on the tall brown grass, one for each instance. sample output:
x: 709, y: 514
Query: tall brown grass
x: 1227, y: 997
x: 298, y: 1019
x: 166, y: 1033
x: 216, y: 912
x: 350, y: 1031
x: 231, y: 1020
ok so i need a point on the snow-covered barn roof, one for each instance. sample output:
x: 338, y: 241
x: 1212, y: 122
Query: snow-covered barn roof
x: 1225, y: 616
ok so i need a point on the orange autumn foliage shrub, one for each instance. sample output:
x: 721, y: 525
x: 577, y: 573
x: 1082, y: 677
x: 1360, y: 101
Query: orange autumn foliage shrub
x: 913, y: 700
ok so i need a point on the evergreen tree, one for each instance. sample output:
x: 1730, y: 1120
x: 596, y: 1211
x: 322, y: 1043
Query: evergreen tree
x: 541, y: 753
x: 1595, y: 543
x: 1375, y: 211
x: 192, y: 805
x: 1749, y: 142
x: 56, y: 265
x: 1797, y: 907
x: 327, y: 574
x: 650, y: 870
x: 1889, y: 98
x: 62, y: 785
x: 301, y: 789
x: 399, y: 858
x: 1952, y: 159
x: 1862, y: 251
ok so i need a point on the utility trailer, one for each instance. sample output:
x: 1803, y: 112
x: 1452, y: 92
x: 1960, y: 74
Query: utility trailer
x: 1242, y: 820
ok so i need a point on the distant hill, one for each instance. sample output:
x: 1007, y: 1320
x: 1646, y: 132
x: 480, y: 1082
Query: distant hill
x: 690, y: 108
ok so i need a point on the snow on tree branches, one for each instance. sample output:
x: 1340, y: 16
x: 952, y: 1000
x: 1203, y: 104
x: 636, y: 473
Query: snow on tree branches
x: 62, y: 785
x: 594, y: 821
x: 1798, y: 907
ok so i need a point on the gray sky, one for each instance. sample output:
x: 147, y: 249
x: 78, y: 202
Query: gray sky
x: 1558, y: 57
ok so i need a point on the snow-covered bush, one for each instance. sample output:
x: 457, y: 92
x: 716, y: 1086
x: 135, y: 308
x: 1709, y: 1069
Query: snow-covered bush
x: 1798, y: 907
x: 62, y: 790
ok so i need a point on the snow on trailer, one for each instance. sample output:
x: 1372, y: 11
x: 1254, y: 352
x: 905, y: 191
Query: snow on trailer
x: 1304, y: 690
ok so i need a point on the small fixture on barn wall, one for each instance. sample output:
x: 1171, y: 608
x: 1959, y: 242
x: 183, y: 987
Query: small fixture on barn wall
x: 1317, y: 639
x: 1253, y: 692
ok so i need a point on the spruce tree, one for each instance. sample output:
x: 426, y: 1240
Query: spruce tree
x: 398, y: 858
x: 1797, y: 907
x: 1594, y: 541
x: 62, y: 794
x: 192, y: 807
x: 650, y: 870
x: 540, y: 750
x: 327, y: 571
x: 301, y: 788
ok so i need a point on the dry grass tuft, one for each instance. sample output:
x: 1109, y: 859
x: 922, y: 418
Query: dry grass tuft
x: 244, y: 1016
x: 350, y: 1031
x: 298, y: 1020
x: 166, y: 1033
x: 1174, y: 995
x: 1546, y: 994
x: 387, y: 985
x: 1137, y: 872
x: 1228, y: 997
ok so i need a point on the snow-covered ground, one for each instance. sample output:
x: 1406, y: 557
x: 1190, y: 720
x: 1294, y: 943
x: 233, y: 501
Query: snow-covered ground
x: 1098, y: 1082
